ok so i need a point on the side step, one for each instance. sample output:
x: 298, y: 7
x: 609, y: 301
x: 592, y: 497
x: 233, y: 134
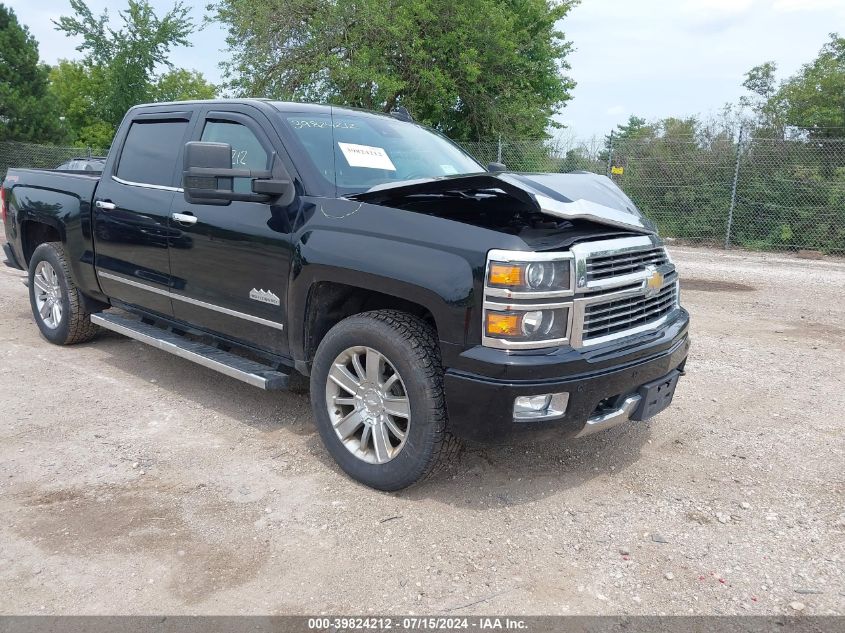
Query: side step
x: 232, y: 365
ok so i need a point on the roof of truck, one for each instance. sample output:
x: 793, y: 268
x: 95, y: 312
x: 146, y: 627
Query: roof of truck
x: 281, y: 106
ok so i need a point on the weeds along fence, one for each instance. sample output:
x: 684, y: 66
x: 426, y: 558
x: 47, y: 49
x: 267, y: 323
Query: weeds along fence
x: 725, y: 189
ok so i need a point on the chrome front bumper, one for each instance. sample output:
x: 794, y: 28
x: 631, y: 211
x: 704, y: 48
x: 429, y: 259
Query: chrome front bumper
x: 611, y: 418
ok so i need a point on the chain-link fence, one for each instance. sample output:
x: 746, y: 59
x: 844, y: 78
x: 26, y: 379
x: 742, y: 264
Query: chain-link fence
x: 13, y: 154
x: 727, y: 188
x: 730, y: 189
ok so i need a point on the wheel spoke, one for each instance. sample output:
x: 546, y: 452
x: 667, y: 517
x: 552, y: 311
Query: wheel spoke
x: 397, y: 406
x: 44, y: 310
x: 341, y: 376
x: 57, y: 314
x: 359, y: 369
x: 344, y: 402
x: 394, y: 428
x: 348, y: 425
x: 40, y: 283
x: 365, y: 439
x: 381, y: 444
x: 390, y: 382
x: 374, y: 366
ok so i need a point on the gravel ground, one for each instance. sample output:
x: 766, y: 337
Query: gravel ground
x: 134, y: 482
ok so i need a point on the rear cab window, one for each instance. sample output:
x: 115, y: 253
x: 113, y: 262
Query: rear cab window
x: 151, y: 150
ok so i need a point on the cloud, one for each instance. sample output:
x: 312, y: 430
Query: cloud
x: 790, y: 6
x: 710, y: 7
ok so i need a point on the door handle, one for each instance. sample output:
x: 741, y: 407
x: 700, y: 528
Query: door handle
x: 105, y: 206
x: 184, y: 218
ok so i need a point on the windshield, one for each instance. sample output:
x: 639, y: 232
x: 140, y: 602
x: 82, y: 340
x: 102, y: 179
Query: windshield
x: 356, y: 152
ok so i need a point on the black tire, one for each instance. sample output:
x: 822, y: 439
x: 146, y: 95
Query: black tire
x: 75, y: 325
x: 411, y: 347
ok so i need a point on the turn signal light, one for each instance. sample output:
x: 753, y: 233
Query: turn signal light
x: 502, y: 324
x: 505, y: 275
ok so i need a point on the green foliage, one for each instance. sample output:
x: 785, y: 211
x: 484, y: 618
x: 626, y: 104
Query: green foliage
x: 26, y: 111
x: 811, y: 100
x: 118, y: 69
x: 814, y: 99
x: 79, y: 90
x: 474, y: 69
x: 127, y: 58
x: 181, y: 85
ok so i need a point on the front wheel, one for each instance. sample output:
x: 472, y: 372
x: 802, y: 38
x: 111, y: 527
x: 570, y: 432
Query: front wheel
x: 57, y: 304
x: 377, y: 395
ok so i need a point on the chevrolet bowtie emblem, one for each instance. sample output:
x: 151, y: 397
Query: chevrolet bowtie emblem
x: 653, y: 281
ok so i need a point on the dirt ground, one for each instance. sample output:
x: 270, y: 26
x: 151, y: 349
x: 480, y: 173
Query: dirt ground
x: 135, y: 482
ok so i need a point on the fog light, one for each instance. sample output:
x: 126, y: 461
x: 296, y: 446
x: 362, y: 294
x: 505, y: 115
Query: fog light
x: 541, y: 407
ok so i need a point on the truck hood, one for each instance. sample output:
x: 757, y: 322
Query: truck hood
x: 576, y: 196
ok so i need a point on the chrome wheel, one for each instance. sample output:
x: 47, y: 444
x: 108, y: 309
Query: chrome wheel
x: 48, y: 294
x: 368, y: 404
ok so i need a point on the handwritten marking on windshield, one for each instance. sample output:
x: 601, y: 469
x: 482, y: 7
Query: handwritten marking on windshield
x: 302, y: 124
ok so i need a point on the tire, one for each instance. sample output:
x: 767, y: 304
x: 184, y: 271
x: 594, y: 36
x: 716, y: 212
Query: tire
x: 71, y: 322
x: 409, y: 347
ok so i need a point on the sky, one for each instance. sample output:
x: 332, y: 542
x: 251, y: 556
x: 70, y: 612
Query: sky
x: 650, y: 58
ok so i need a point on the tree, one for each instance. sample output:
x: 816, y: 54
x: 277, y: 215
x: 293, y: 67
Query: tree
x: 129, y: 56
x: 814, y: 98
x: 181, y: 85
x: 26, y: 111
x: 474, y: 69
x: 811, y: 100
x: 79, y: 89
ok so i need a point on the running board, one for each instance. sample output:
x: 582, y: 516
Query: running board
x: 232, y: 365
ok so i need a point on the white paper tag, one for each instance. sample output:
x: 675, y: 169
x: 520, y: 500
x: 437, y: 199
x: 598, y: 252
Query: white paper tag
x: 366, y: 156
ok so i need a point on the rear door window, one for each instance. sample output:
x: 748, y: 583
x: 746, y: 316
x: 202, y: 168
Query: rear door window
x: 150, y: 152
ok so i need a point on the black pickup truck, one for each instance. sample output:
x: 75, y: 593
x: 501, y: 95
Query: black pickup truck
x: 426, y: 298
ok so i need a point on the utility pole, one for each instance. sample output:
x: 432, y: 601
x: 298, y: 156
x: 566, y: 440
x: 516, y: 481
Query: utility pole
x: 609, y: 156
x: 499, y: 153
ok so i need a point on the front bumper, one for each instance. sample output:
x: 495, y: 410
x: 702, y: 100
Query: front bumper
x: 481, y: 404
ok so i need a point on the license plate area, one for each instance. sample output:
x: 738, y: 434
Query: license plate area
x: 656, y: 396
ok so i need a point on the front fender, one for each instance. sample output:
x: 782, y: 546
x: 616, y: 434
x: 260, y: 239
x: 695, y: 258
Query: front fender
x: 440, y: 281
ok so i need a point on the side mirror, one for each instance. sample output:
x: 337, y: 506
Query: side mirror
x: 494, y: 167
x: 208, y: 177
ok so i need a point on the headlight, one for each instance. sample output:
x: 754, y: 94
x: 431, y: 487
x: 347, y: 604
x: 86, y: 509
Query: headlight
x: 527, y: 299
x: 527, y: 326
x: 546, y: 276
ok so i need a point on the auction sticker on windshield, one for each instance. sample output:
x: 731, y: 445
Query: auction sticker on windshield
x: 366, y: 156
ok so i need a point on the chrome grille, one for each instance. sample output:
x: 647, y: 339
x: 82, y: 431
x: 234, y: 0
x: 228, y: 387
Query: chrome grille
x: 602, y: 267
x: 604, y: 319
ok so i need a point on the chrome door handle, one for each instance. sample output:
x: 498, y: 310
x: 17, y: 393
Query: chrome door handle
x: 105, y: 206
x: 184, y: 218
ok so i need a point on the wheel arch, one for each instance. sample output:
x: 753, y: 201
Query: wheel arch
x: 35, y: 232
x: 361, y: 272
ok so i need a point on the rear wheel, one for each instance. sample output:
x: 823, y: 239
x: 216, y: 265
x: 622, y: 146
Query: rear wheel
x: 57, y: 304
x: 377, y: 394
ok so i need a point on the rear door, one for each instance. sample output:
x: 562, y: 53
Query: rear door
x: 232, y: 274
x: 132, y: 208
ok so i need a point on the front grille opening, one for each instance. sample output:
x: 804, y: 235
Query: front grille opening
x: 602, y: 267
x: 602, y: 319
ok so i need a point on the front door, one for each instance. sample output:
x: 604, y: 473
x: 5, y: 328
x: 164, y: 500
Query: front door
x: 132, y: 212
x: 231, y: 273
